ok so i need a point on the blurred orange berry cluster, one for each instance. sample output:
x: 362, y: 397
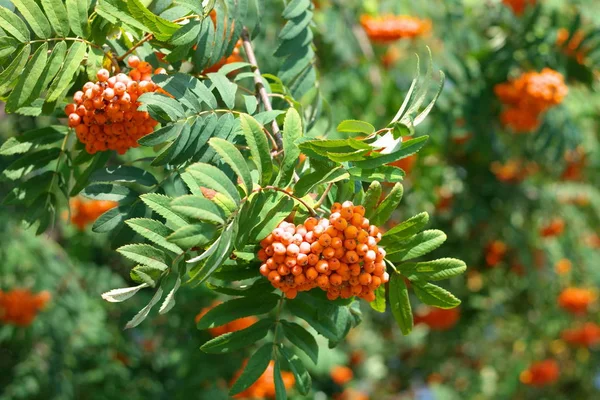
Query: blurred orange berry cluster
x: 340, y: 255
x: 84, y: 212
x: 518, y: 6
x: 105, y: 115
x: 20, y: 306
x: 264, y: 387
x: 554, y: 228
x: 389, y: 28
x: 438, y: 319
x: 572, y: 44
x: 563, y: 266
x: 587, y: 335
x: 233, y: 326
x: 495, y: 252
x: 513, y: 171
x: 235, y: 56
x: 576, y: 161
x: 541, y: 373
x: 576, y: 300
x: 528, y: 96
x: 341, y: 374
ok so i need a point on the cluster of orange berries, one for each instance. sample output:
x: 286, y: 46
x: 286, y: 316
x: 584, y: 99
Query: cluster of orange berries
x: 576, y: 300
x: 513, y: 171
x: 341, y: 374
x: 495, y: 252
x: 105, y: 115
x: 438, y: 319
x: 264, y: 387
x: 84, y: 212
x: 563, y: 266
x: 541, y: 373
x: 573, y: 42
x: 518, y: 6
x: 20, y: 306
x: 339, y: 254
x: 587, y: 335
x: 528, y: 96
x: 389, y: 28
x: 576, y: 160
x: 233, y: 326
x: 554, y: 228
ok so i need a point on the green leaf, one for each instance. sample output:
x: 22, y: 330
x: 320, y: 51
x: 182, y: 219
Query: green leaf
x: 71, y: 65
x: 384, y: 173
x: 57, y: 14
x: 233, y: 341
x: 295, y: 8
x: 108, y: 191
x: 119, y: 295
x: 160, y: 27
x: 53, y: 65
x: 379, y: 303
x: 98, y: 161
x: 302, y: 339
x: 225, y: 87
x: 154, y: 231
x: 318, y: 177
x: 388, y: 205
x: 323, y: 325
x: 110, y: 219
x: 371, y: 200
x: 94, y: 62
x: 124, y: 174
x: 434, y: 295
x: 193, y: 235
x: 35, y: 17
x: 116, y: 12
x: 280, y: 392
x: 418, y: 245
x: 353, y: 125
x: 405, y: 230
x: 78, y: 17
x: 303, y: 380
x: 436, y: 270
x: 13, y: 71
x: 236, y: 309
x: 30, y: 139
x: 292, y: 131
x: 296, y: 25
x: 259, y: 147
x: 145, y: 254
x: 268, y: 210
x: 161, y: 107
x: 217, y: 254
x: 13, y: 25
x: 169, y: 302
x: 404, y: 150
x: 257, y: 364
x: 232, y: 156
x: 198, y: 208
x: 161, y: 204
x: 22, y: 92
x: 251, y: 104
x: 141, y: 316
x: 31, y: 161
x: 400, y: 303
x: 8, y: 46
x: 213, y: 178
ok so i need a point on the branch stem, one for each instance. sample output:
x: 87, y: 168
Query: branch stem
x: 260, y: 87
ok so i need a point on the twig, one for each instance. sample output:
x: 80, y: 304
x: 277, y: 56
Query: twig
x: 264, y: 96
x: 135, y: 46
x: 323, y: 196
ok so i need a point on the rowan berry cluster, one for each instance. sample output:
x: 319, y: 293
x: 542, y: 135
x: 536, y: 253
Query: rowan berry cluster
x: 105, y: 115
x: 587, y: 335
x: 339, y: 255
x: 233, y: 326
x: 554, y: 228
x: 389, y: 28
x: 518, y: 6
x: 264, y: 387
x: 541, y: 373
x: 563, y: 266
x: 341, y: 374
x: 528, y: 96
x: 84, y: 212
x: 20, y: 306
x: 495, y: 252
x: 576, y: 300
x: 438, y: 319
x: 513, y: 171
x: 572, y: 44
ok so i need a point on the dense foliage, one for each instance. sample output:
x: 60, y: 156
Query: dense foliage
x: 236, y: 168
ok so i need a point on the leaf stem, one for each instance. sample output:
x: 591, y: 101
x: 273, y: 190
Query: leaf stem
x: 277, y: 323
x: 324, y: 195
x: 262, y: 91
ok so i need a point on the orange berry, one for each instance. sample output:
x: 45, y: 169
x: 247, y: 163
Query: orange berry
x: 364, y: 279
x: 133, y: 61
x: 350, y: 244
x: 336, y: 207
x: 352, y: 257
x: 322, y: 266
x: 328, y: 252
x: 311, y: 274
